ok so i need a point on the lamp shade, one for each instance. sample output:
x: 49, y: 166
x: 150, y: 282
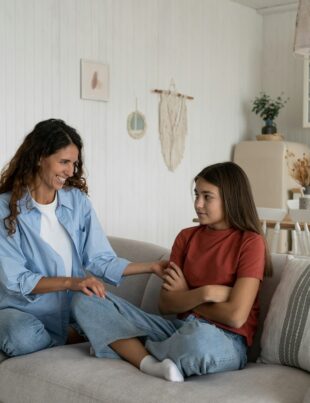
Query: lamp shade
x: 302, y: 32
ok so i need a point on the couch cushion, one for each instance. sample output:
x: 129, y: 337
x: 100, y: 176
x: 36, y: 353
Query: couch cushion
x: 307, y: 396
x: 286, y: 335
x: 68, y: 374
x: 2, y: 357
x: 268, y: 287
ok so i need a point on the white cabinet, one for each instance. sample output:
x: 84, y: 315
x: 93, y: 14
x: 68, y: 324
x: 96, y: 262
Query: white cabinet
x: 266, y: 166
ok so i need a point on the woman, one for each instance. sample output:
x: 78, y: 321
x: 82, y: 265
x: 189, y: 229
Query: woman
x: 212, y: 284
x: 51, y: 242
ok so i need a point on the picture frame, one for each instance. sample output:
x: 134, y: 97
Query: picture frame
x: 94, y: 80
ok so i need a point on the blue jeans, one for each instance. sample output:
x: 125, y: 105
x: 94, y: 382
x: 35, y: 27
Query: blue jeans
x: 22, y: 333
x: 197, y: 347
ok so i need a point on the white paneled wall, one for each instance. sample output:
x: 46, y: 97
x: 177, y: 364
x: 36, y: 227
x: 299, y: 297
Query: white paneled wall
x: 212, y: 49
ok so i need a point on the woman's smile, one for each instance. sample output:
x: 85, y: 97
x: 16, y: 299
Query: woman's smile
x: 54, y: 171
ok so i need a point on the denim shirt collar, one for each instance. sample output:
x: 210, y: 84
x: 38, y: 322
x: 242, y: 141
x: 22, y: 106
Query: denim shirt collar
x: 26, y: 203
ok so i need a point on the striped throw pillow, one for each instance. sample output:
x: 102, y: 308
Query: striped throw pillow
x: 286, y: 335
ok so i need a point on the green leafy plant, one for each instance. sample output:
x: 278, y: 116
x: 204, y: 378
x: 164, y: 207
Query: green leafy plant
x: 268, y: 108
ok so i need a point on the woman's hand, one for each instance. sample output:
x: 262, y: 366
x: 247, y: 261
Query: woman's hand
x: 159, y: 267
x: 88, y: 285
x: 174, y: 279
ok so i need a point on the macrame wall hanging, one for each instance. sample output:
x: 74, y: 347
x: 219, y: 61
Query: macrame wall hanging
x: 172, y: 125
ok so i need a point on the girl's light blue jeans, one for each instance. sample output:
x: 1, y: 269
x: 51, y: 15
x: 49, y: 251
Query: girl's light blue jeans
x: 196, y: 346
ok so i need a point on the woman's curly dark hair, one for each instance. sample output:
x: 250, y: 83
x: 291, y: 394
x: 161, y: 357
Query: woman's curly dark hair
x: 47, y: 137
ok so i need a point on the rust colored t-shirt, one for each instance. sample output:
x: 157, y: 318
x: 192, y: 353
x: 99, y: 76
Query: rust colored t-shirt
x: 209, y: 256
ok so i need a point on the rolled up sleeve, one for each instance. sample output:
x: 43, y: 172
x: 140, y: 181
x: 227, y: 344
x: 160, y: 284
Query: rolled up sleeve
x: 15, y: 278
x: 98, y: 256
x: 109, y: 269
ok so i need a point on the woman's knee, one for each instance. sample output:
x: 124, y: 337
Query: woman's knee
x: 84, y: 307
x: 22, y: 333
x: 82, y: 303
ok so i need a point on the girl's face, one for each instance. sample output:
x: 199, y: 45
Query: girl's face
x: 54, y: 171
x: 209, y: 205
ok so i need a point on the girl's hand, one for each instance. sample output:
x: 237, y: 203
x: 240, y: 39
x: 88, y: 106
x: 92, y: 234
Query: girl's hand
x: 174, y: 279
x: 159, y: 267
x: 88, y: 285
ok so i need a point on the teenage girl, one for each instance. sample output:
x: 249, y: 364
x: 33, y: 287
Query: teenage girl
x: 211, y: 284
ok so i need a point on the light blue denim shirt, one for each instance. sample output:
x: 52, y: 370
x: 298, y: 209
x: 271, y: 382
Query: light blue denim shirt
x: 25, y: 258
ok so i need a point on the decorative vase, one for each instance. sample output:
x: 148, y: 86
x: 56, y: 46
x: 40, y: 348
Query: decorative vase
x: 304, y: 201
x: 270, y: 127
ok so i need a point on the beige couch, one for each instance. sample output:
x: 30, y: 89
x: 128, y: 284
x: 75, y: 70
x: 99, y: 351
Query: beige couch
x: 69, y: 374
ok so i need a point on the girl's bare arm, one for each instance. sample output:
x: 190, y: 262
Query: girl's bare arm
x: 235, y: 311
x: 176, y: 297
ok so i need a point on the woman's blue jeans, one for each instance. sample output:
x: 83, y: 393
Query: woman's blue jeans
x: 196, y: 346
x: 22, y: 333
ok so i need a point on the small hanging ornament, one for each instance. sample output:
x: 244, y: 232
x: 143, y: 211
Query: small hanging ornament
x: 136, y: 124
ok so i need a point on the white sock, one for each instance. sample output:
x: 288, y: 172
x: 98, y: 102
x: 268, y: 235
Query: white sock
x: 165, y: 369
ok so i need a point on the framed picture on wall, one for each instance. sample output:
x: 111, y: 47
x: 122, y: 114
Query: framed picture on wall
x: 306, y: 112
x: 94, y: 80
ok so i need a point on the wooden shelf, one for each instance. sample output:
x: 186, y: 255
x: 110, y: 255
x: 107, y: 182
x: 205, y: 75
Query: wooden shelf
x: 285, y: 224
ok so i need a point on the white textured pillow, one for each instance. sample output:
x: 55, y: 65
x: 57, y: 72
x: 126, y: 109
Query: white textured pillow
x: 286, y: 335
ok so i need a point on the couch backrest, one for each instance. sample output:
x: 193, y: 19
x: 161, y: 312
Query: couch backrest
x: 268, y: 287
x: 143, y: 291
x: 133, y: 288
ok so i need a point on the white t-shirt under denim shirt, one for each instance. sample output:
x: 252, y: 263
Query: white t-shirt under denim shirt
x: 53, y: 233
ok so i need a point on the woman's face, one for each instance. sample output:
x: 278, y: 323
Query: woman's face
x: 209, y: 205
x: 54, y: 171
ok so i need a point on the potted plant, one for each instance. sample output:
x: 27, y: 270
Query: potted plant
x: 299, y: 170
x: 268, y: 109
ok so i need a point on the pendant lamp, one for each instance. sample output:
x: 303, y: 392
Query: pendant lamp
x: 302, y: 32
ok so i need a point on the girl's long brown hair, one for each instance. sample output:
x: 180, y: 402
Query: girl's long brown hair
x: 236, y: 194
x: 46, y: 139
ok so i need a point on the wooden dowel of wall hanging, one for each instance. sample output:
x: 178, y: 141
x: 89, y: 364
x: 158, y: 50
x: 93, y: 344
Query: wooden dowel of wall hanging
x: 169, y: 92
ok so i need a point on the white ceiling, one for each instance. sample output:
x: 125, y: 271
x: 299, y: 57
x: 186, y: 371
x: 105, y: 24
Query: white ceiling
x: 260, y: 4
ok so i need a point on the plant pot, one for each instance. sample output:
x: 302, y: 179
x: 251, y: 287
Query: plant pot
x: 269, y: 128
x: 304, y: 201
